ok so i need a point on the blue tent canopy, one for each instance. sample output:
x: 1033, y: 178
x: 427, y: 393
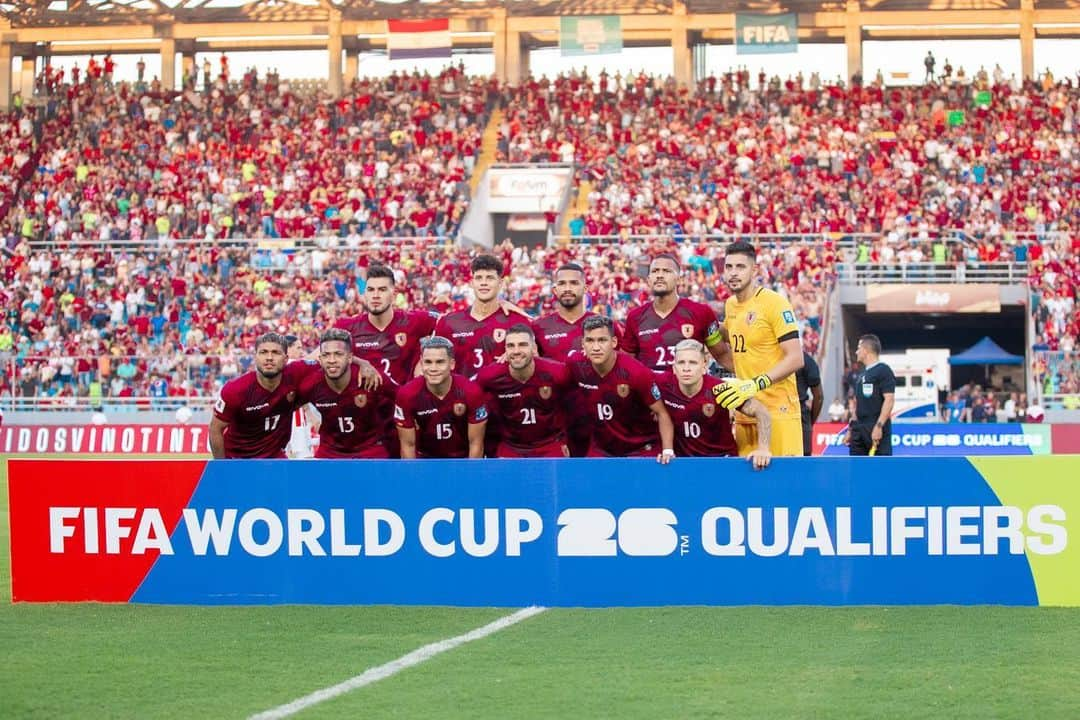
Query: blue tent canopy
x: 986, y: 352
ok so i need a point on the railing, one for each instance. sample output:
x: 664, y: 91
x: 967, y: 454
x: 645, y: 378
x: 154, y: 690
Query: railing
x: 374, y: 242
x: 1057, y: 379
x: 999, y: 273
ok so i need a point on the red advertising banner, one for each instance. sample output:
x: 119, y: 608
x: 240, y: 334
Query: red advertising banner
x: 826, y: 435
x: 105, y: 439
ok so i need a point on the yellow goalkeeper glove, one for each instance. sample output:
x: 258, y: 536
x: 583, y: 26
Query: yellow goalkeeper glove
x: 733, y: 393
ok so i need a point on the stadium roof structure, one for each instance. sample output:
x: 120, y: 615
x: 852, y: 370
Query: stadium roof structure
x: 60, y: 13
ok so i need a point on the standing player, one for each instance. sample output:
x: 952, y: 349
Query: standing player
x: 251, y: 417
x: 558, y: 336
x: 300, y: 443
x: 653, y: 330
x: 351, y: 426
x: 765, y: 353
x: 701, y: 428
x: 387, y: 338
x: 621, y: 393
x: 527, y: 395
x: 479, y: 333
x: 440, y: 414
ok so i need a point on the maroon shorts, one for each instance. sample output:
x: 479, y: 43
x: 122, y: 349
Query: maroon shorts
x: 650, y: 452
x: 368, y: 452
x: 552, y: 450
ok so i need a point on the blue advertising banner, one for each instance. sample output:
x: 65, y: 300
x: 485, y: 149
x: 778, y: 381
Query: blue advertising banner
x: 948, y: 439
x: 622, y: 532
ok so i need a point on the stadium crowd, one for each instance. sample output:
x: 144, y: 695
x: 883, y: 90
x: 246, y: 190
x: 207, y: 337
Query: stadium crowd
x: 392, y: 158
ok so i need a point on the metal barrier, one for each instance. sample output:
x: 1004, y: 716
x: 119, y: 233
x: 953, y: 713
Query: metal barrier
x: 1000, y: 273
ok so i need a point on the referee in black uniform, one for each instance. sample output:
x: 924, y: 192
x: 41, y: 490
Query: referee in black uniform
x: 871, y: 429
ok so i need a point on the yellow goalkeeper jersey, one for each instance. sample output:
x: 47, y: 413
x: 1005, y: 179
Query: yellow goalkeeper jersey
x: 755, y: 330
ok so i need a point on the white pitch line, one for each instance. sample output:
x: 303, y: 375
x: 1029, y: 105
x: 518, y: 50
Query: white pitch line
x: 381, y: 672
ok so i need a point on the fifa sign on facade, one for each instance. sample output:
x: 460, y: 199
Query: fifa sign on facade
x: 766, y: 34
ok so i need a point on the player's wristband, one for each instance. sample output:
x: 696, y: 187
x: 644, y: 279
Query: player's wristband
x: 763, y: 381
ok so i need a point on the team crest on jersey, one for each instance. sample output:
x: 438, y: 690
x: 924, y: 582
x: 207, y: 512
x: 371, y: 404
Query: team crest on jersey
x: 499, y: 334
x: 687, y: 331
x: 708, y: 409
x: 751, y: 317
x: 459, y: 409
x: 623, y: 389
x: 401, y: 339
x: 545, y: 392
x: 360, y: 400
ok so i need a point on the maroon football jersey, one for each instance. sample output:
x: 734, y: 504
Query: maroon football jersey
x: 395, y: 350
x: 477, y: 342
x: 260, y: 421
x: 531, y: 413
x: 619, y: 406
x: 652, y: 339
x: 351, y: 425
x: 441, y: 424
x: 561, y: 340
x: 702, y: 428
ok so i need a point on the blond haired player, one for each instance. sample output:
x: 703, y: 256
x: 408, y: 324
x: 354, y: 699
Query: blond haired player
x: 765, y: 353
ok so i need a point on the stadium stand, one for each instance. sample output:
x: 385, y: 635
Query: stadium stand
x: 255, y: 196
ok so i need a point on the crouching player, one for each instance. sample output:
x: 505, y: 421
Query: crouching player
x: 703, y: 428
x: 351, y: 426
x: 440, y: 414
x: 628, y: 414
x: 527, y: 396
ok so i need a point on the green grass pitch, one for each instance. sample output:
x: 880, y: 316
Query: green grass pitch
x: 124, y: 661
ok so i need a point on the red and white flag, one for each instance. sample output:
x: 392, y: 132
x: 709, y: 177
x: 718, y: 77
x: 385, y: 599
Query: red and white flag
x: 408, y: 39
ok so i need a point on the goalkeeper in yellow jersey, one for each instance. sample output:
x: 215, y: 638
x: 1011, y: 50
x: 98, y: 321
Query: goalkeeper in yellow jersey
x: 765, y: 353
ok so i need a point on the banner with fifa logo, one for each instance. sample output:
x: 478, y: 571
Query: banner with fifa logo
x: 766, y: 34
x: 578, y: 532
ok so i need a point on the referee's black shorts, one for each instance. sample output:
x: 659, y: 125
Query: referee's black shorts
x: 861, y: 443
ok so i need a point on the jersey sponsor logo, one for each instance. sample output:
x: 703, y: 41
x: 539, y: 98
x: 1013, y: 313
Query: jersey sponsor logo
x: 464, y: 333
x: 362, y: 345
x: 556, y: 336
x: 650, y: 331
x: 256, y: 408
x: 545, y: 392
x: 401, y: 338
x: 751, y: 317
x: 624, y: 390
x: 360, y: 400
x: 499, y: 334
x: 509, y: 396
x: 687, y: 330
x: 459, y: 409
x: 325, y: 405
x: 708, y: 409
x: 789, y: 317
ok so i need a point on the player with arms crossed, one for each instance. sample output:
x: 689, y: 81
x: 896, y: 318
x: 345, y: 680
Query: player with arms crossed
x: 479, y: 333
x: 765, y: 353
x: 653, y: 330
x: 252, y: 415
x: 701, y: 428
x: 527, y: 395
x: 630, y: 417
x: 351, y: 426
x: 440, y: 414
